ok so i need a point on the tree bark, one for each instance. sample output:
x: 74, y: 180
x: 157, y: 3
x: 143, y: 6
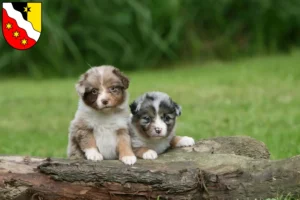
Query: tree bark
x: 218, y: 168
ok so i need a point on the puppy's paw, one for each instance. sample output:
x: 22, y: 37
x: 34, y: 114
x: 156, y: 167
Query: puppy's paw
x: 185, y: 142
x: 93, y: 154
x: 150, y: 155
x: 128, y: 160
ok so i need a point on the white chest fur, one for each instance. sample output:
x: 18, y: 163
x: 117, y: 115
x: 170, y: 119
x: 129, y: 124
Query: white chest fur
x: 106, y: 140
x: 105, y: 133
x: 105, y: 128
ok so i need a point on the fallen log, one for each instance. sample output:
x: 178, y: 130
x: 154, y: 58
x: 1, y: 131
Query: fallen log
x: 218, y: 168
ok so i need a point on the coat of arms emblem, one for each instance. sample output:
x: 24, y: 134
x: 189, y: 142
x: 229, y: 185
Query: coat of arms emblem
x: 21, y: 23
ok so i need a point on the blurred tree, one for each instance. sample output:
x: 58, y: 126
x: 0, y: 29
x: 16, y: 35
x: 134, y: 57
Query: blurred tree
x: 133, y: 34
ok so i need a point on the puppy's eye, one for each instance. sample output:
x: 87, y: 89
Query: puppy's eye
x: 146, y: 119
x: 114, y: 89
x: 166, y: 118
x: 94, y: 91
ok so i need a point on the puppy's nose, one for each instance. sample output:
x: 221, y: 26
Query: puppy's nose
x: 158, y: 130
x: 104, y: 101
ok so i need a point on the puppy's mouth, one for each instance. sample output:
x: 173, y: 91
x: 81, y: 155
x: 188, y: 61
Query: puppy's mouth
x: 105, y: 107
x: 156, y: 137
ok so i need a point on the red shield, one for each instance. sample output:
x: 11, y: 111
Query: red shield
x: 21, y: 24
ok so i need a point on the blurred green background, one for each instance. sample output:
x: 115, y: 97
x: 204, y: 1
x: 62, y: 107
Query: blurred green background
x: 233, y: 65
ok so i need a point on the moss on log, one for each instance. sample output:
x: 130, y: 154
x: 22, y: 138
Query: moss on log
x: 218, y: 168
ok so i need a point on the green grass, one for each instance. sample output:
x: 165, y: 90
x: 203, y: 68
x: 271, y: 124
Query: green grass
x: 282, y: 197
x: 258, y: 97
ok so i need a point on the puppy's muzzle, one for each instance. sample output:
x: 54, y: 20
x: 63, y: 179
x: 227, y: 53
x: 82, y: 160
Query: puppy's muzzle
x: 158, y: 130
x: 104, y: 102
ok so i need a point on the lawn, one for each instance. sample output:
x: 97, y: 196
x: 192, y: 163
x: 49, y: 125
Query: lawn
x: 257, y: 97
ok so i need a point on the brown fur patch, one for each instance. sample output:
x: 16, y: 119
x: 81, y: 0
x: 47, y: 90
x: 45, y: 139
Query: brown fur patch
x: 124, y: 145
x: 74, y: 150
x: 116, y: 98
x: 123, y: 78
x: 175, y: 141
x: 81, y: 138
x: 111, y: 80
x: 139, y: 152
x: 90, y: 98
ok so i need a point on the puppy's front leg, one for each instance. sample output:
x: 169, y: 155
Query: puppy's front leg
x: 184, y: 141
x: 124, y: 149
x: 87, y: 144
x: 145, y: 153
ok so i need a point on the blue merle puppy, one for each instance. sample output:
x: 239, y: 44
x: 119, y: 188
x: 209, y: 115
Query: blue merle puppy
x: 152, y: 126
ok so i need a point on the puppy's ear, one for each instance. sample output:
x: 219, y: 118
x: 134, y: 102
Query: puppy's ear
x: 79, y: 86
x: 177, y: 108
x: 124, y: 79
x: 133, y: 107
